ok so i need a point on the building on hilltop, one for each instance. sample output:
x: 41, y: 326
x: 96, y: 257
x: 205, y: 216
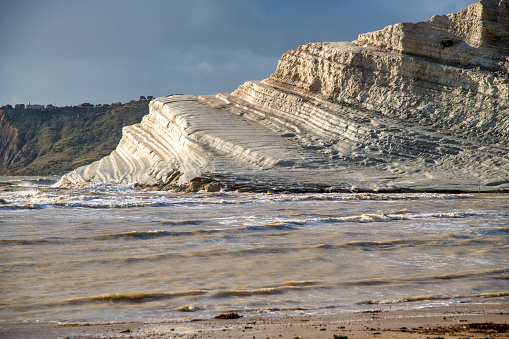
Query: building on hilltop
x: 30, y: 106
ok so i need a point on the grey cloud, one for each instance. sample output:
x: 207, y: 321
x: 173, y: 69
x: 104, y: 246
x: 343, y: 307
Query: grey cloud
x: 116, y: 50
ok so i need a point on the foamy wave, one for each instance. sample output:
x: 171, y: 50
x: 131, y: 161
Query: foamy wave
x: 372, y: 217
x: 295, y: 224
x: 32, y: 181
x: 434, y: 297
x: 136, y: 297
x: 269, y: 290
x: 492, y: 274
x: 132, y: 297
x: 365, y: 196
x: 384, y: 217
x: 287, y: 225
x: 449, y: 215
x: 36, y: 199
x: 39, y: 194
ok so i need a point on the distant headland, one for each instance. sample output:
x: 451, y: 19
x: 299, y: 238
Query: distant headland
x: 49, y: 140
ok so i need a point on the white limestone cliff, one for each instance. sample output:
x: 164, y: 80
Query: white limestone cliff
x: 421, y: 106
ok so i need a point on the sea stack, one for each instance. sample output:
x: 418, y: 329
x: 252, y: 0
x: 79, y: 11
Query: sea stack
x: 413, y: 107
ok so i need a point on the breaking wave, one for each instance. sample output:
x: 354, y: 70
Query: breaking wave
x: 131, y: 297
x: 40, y: 193
x: 433, y: 298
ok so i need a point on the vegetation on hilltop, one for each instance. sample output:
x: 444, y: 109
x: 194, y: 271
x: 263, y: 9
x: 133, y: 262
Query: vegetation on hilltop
x: 56, y: 140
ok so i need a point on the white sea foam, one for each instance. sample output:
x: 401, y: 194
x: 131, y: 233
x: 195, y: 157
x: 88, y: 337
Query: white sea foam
x: 106, y: 195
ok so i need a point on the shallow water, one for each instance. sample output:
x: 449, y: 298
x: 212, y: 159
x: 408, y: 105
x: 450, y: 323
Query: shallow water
x: 111, y: 253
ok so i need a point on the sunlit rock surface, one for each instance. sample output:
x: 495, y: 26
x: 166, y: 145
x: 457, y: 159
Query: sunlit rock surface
x: 415, y: 106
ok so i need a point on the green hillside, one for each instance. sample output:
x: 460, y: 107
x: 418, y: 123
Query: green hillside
x: 55, y: 140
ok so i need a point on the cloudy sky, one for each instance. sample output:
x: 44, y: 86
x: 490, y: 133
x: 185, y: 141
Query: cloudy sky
x: 67, y: 52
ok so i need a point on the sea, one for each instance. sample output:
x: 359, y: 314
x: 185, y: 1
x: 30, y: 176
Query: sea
x: 113, y: 253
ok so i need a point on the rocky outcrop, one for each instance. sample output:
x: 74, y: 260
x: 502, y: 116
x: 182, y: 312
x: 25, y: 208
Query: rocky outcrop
x: 421, y: 106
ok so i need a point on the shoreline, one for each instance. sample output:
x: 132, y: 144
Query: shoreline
x: 273, y: 187
x: 474, y: 319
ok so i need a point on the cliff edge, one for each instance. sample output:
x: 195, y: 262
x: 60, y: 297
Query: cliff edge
x: 415, y: 106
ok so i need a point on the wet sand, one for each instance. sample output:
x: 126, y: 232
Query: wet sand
x: 472, y: 320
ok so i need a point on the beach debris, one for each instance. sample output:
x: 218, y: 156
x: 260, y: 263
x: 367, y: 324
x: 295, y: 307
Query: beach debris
x: 126, y: 331
x: 488, y: 327
x: 484, y: 328
x: 231, y: 315
x: 339, y: 336
x: 447, y: 43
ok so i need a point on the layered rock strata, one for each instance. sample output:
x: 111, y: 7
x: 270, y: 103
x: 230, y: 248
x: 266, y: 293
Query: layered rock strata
x: 415, y: 106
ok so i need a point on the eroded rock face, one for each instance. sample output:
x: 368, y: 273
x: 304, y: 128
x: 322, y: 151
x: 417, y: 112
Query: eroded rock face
x: 421, y: 106
x: 8, y: 144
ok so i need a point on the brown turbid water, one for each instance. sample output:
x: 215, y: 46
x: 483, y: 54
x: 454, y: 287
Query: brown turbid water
x: 112, y: 253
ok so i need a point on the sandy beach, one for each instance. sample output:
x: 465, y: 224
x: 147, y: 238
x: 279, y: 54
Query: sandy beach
x: 476, y: 319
